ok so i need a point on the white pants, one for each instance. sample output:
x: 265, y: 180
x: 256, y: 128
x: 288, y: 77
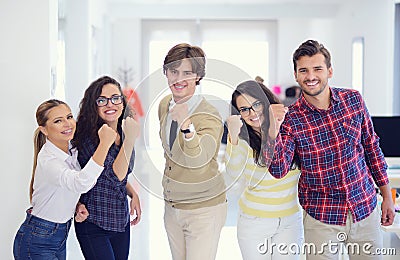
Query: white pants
x: 266, y: 238
x: 328, y: 239
x: 194, y: 234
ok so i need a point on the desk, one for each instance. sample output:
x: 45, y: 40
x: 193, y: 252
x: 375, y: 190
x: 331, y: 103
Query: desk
x: 395, y: 228
x: 394, y: 181
x: 394, y: 177
x: 391, y: 241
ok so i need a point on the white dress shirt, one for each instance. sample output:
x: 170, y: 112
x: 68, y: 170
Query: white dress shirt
x: 192, y: 103
x: 59, y: 182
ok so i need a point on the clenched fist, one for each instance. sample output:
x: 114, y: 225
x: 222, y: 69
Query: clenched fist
x: 81, y: 212
x: 234, y: 123
x: 277, y: 114
x: 107, y: 135
x: 131, y: 129
x: 180, y: 114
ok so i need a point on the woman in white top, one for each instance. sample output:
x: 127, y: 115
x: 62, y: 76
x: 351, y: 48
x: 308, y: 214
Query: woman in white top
x: 57, y: 182
x: 270, y: 222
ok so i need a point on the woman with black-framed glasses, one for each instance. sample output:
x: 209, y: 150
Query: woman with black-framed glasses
x: 106, y: 232
x: 114, y: 99
x: 269, y: 211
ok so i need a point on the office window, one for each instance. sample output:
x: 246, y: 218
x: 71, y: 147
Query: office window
x: 58, y: 73
x: 59, y: 91
x: 358, y: 64
x: 235, y: 61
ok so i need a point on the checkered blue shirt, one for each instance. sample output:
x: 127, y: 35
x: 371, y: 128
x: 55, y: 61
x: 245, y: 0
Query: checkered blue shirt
x: 107, y: 201
x: 339, y: 155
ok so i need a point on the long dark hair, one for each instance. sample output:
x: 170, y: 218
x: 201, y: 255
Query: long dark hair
x: 39, y: 139
x: 89, y: 121
x: 260, y: 92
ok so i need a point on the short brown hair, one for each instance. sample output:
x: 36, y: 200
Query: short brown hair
x: 310, y: 48
x: 182, y: 51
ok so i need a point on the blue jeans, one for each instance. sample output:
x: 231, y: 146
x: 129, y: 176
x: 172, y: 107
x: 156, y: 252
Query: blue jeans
x: 99, y: 244
x: 41, y: 239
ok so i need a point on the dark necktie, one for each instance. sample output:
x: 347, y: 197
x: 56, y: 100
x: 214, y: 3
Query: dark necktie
x: 172, y: 133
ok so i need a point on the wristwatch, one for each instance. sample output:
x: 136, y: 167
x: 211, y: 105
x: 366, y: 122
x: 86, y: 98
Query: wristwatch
x: 190, y: 129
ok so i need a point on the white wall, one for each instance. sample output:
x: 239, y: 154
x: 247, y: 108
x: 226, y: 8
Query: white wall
x: 371, y: 19
x: 291, y: 33
x: 126, y: 47
x: 28, y: 32
x: 85, y: 45
x: 77, y: 51
x: 374, y: 20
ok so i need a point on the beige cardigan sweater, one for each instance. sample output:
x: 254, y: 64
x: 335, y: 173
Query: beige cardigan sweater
x: 191, y: 177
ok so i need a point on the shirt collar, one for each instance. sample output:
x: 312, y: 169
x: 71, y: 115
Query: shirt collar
x: 49, y: 146
x: 334, y: 94
x: 334, y: 98
x: 191, y: 102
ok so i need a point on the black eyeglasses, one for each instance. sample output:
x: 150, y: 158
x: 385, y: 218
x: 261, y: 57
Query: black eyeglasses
x: 256, y: 107
x: 103, y: 101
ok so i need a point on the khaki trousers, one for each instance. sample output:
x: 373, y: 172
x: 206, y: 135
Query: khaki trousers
x: 360, y: 240
x: 194, y: 234
x: 261, y: 238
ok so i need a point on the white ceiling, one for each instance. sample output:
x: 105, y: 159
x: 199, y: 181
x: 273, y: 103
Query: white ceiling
x: 233, y: 2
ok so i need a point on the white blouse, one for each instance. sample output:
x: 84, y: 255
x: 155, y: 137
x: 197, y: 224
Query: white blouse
x: 59, y: 182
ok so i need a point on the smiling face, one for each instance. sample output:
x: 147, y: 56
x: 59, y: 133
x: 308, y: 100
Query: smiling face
x: 110, y: 112
x: 182, y: 80
x: 312, y: 75
x: 253, y: 119
x: 60, y: 126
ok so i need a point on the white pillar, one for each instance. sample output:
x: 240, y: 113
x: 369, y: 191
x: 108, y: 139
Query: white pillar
x: 77, y: 51
x: 28, y: 32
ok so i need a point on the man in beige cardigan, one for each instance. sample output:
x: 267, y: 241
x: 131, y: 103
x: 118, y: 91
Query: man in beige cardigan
x: 191, y: 131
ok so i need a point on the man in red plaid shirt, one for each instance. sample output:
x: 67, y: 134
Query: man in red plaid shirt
x: 330, y: 131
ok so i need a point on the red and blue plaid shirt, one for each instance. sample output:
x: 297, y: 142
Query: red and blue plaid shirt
x: 339, y: 155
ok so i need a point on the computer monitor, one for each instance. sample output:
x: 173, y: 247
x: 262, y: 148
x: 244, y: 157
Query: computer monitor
x: 388, y: 130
